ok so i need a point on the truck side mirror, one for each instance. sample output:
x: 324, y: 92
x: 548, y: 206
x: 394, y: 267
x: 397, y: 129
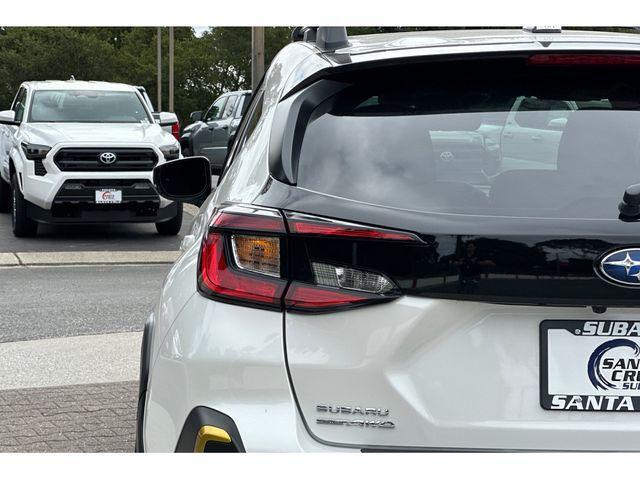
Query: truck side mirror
x: 196, y: 116
x: 166, y: 119
x: 557, y: 123
x: 185, y: 180
x: 8, y: 117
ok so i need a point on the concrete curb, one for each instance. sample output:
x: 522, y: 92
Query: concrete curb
x: 88, y: 258
x: 9, y: 260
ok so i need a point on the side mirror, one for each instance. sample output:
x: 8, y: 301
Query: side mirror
x: 196, y: 116
x: 8, y: 117
x: 558, y: 123
x: 166, y: 119
x: 185, y: 180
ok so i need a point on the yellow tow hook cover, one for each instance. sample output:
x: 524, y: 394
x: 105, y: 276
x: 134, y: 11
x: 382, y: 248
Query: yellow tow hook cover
x: 209, y: 433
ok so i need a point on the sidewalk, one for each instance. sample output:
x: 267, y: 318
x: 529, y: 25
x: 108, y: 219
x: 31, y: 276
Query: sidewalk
x: 77, y: 418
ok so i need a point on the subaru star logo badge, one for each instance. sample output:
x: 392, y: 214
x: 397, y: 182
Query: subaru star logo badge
x: 108, y: 158
x: 621, y: 267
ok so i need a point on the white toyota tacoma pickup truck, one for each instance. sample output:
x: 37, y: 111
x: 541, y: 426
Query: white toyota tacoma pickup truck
x: 83, y: 152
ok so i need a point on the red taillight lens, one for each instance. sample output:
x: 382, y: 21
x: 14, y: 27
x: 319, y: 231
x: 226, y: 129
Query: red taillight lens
x: 311, y: 225
x: 219, y: 279
x: 313, y: 298
x: 175, y: 130
x: 243, y: 259
x: 564, y: 59
x: 243, y: 268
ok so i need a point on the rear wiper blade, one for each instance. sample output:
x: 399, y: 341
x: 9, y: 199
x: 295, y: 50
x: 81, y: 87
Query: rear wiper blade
x: 630, y: 206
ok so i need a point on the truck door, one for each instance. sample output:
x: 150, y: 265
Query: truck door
x: 532, y: 133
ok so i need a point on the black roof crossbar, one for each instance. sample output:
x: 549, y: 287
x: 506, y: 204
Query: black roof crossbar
x: 326, y: 39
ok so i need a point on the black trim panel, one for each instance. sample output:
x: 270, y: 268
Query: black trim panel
x: 201, y: 416
x: 145, y: 358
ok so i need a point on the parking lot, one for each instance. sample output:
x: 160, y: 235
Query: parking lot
x: 68, y: 347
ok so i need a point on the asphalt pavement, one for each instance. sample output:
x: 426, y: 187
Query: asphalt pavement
x: 116, y: 237
x: 63, y: 301
x: 73, y: 302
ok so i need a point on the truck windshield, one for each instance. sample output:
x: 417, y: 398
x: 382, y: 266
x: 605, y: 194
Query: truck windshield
x: 88, y: 106
x: 505, y: 137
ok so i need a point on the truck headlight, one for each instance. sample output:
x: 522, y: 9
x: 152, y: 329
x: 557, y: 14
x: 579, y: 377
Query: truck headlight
x: 170, y: 152
x: 35, y: 152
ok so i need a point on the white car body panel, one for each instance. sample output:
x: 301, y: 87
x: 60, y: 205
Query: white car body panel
x: 454, y: 375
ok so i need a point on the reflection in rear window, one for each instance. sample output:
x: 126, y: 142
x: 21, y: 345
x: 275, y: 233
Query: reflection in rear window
x: 497, y: 137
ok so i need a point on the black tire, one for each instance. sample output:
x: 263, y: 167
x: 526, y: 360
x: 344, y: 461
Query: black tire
x: 171, y: 226
x: 21, y: 224
x: 5, y: 196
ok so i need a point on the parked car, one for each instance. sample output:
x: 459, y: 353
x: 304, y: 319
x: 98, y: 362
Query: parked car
x: 83, y: 152
x: 171, y: 123
x: 337, y: 294
x: 210, y: 133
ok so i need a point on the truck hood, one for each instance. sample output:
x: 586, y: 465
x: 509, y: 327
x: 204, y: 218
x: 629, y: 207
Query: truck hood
x: 51, y: 134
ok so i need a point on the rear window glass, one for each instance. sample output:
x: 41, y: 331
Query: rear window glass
x: 494, y: 137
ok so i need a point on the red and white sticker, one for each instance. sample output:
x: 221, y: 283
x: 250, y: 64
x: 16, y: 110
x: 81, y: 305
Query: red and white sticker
x: 109, y: 195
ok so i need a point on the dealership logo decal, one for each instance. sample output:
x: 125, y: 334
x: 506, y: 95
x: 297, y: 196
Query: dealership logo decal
x: 610, y: 366
x: 108, y: 158
x: 621, y: 267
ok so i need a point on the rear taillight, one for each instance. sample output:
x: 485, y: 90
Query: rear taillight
x: 311, y: 225
x: 255, y: 256
x: 175, y: 130
x: 240, y: 259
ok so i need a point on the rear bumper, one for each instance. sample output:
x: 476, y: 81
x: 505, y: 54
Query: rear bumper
x: 455, y: 376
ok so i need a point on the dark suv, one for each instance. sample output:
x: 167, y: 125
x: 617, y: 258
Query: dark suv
x: 209, y: 134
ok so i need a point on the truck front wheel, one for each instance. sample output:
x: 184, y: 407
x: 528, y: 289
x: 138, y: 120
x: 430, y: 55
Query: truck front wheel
x: 21, y: 224
x: 5, y: 196
x: 171, y: 226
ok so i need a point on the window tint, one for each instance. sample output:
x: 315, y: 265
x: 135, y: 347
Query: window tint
x: 246, y: 129
x: 215, y: 111
x: 252, y: 121
x: 90, y: 106
x: 19, y: 104
x: 519, y: 140
x: 228, y: 109
x: 243, y: 105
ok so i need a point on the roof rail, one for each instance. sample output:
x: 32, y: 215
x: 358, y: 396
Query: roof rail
x: 325, y: 38
x: 543, y: 29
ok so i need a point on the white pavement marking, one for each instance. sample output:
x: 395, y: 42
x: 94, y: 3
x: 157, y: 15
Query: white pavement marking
x: 8, y: 260
x: 53, y: 362
x: 95, y: 258
x: 190, y: 209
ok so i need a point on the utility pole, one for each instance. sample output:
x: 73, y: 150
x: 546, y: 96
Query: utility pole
x: 159, y: 62
x: 257, y: 56
x: 171, y: 109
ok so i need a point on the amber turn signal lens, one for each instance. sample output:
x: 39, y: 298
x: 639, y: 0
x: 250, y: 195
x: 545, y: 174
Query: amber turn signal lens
x: 257, y: 254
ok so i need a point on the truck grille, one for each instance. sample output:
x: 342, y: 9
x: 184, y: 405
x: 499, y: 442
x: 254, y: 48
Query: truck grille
x: 88, y: 159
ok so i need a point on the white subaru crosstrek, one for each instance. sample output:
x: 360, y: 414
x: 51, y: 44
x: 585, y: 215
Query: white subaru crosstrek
x: 343, y: 289
x: 83, y: 152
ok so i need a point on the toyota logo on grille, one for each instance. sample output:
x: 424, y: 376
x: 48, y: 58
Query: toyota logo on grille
x: 108, y: 158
